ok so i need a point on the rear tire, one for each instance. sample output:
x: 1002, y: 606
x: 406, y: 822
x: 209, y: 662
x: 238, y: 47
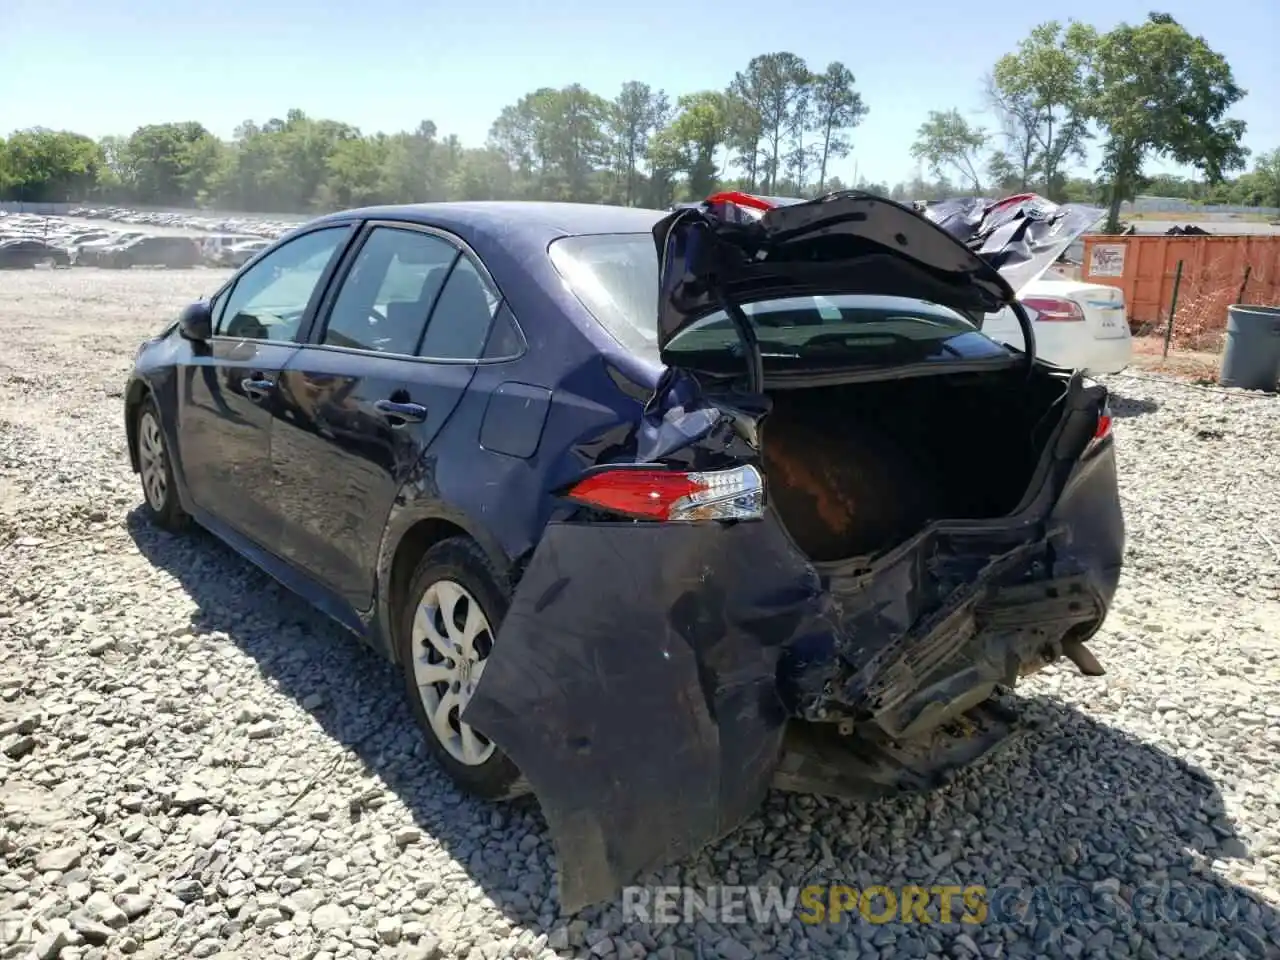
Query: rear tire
x: 155, y: 468
x: 452, y: 610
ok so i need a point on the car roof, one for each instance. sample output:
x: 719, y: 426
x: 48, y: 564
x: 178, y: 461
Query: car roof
x: 511, y: 238
x: 521, y: 223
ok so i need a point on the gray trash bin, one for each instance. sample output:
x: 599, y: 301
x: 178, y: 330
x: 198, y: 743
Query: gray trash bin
x: 1252, y: 357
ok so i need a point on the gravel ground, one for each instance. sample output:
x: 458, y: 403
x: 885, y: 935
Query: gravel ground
x: 192, y: 762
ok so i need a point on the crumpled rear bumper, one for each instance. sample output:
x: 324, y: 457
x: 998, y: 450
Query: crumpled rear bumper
x: 652, y: 681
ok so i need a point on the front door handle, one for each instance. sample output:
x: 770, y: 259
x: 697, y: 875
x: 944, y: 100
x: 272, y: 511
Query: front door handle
x: 401, y: 413
x: 257, y: 387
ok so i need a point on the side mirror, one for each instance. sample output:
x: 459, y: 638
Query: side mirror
x: 196, y: 322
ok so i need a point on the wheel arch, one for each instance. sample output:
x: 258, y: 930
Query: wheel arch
x: 412, y: 537
x: 135, y: 395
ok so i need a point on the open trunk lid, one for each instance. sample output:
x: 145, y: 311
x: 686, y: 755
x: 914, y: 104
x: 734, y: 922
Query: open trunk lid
x: 636, y: 680
x: 971, y: 255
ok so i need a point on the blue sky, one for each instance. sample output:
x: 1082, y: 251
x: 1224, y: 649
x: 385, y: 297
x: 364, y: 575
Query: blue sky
x: 107, y: 66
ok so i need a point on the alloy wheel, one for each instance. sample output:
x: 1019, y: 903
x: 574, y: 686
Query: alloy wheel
x: 451, y: 644
x: 151, y: 454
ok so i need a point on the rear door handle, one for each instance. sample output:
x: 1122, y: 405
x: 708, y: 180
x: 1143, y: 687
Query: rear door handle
x: 401, y: 413
x: 257, y: 387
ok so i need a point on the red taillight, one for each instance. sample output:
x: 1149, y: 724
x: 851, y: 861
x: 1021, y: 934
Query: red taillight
x: 1054, y: 309
x: 735, y: 494
x: 740, y: 199
x: 1103, y: 429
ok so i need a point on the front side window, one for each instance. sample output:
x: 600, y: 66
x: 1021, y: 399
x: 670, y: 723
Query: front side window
x: 270, y: 299
x: 385, y: 298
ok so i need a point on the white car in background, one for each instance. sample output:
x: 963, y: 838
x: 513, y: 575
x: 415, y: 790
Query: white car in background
x: 1078, y: 325
x: 238, y: 254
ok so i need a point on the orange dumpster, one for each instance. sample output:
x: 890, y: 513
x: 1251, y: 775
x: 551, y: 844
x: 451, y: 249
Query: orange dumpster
x: 1213, y: 275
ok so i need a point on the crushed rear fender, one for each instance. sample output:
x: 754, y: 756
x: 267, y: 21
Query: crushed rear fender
x: 650, y: 724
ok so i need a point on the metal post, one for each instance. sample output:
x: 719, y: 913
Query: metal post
x: 1173, y: 309
x: 1244, y: 283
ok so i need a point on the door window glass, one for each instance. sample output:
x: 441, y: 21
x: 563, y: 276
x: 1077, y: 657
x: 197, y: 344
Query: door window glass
x: 270, y: 299
x: 460, y: 321
x: 385, y: 298
x: 505, y: 342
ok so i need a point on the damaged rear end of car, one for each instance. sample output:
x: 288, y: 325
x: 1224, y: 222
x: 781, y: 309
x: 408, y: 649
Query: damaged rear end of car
x: 845, y: 522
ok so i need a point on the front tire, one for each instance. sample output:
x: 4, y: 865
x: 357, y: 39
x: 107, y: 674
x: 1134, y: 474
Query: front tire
x: 155, y: 468
x: 452, y: 611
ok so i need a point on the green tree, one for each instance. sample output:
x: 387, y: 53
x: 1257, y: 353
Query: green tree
x: 783, y: 82
x: 803, y: 155
x: 167, y: 164
x: 1042, y: 96
x: 1265, y: 180
x: 633, y: 116
x: 690, y: 143
x: 575, y: 128
x: 1013, y: 165
x: 415, y: 167
x: 518, y: 135
x: 355, y: 173
x: 556, y: 141
x: 838, y: 108
x: 946, y: 142
x: 745, y: 101
x: 866, y: 186
x: 281, y: 165
x: 481, y: 174
x: 49, y: 165
x: 1159, y: 91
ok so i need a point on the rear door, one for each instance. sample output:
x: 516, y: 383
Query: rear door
x: 390, y: 357
x: 228, y: 393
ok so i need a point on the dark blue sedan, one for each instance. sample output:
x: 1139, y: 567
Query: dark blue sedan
x: 653, y: 509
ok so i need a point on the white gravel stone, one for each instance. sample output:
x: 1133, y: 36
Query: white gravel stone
x: 281, y: 840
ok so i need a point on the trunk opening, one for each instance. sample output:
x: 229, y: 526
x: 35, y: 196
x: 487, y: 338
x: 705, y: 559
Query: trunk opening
x: 856, y: 469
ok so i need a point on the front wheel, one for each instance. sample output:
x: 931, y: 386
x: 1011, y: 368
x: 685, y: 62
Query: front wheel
x: 156, y: 470
x: 454, y: 606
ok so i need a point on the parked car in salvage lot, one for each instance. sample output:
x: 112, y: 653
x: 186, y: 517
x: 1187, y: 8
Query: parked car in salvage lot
x: 1076, y: 324
x: 23, y: 252
x: 175, y: 252
x: 215, y: 247
x: 86, y: 254
x: 655, y: 510
x: 238, y: 254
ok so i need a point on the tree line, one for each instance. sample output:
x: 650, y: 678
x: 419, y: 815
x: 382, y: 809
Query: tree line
x: 784, y: 124
x: 1140, y: 92
x: 778, y: 127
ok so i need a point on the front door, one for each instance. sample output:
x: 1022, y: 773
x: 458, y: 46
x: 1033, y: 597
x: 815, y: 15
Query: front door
x: 227, y: 394
x: 386, y: 366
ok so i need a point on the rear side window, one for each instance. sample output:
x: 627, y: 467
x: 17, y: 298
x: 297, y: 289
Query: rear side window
x: 505, y: 339
x: 462, y: 316
x: 388, y: 293
x: 616, y: 278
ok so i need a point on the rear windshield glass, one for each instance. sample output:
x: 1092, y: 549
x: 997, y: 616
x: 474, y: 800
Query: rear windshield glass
x: 616, y: 278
